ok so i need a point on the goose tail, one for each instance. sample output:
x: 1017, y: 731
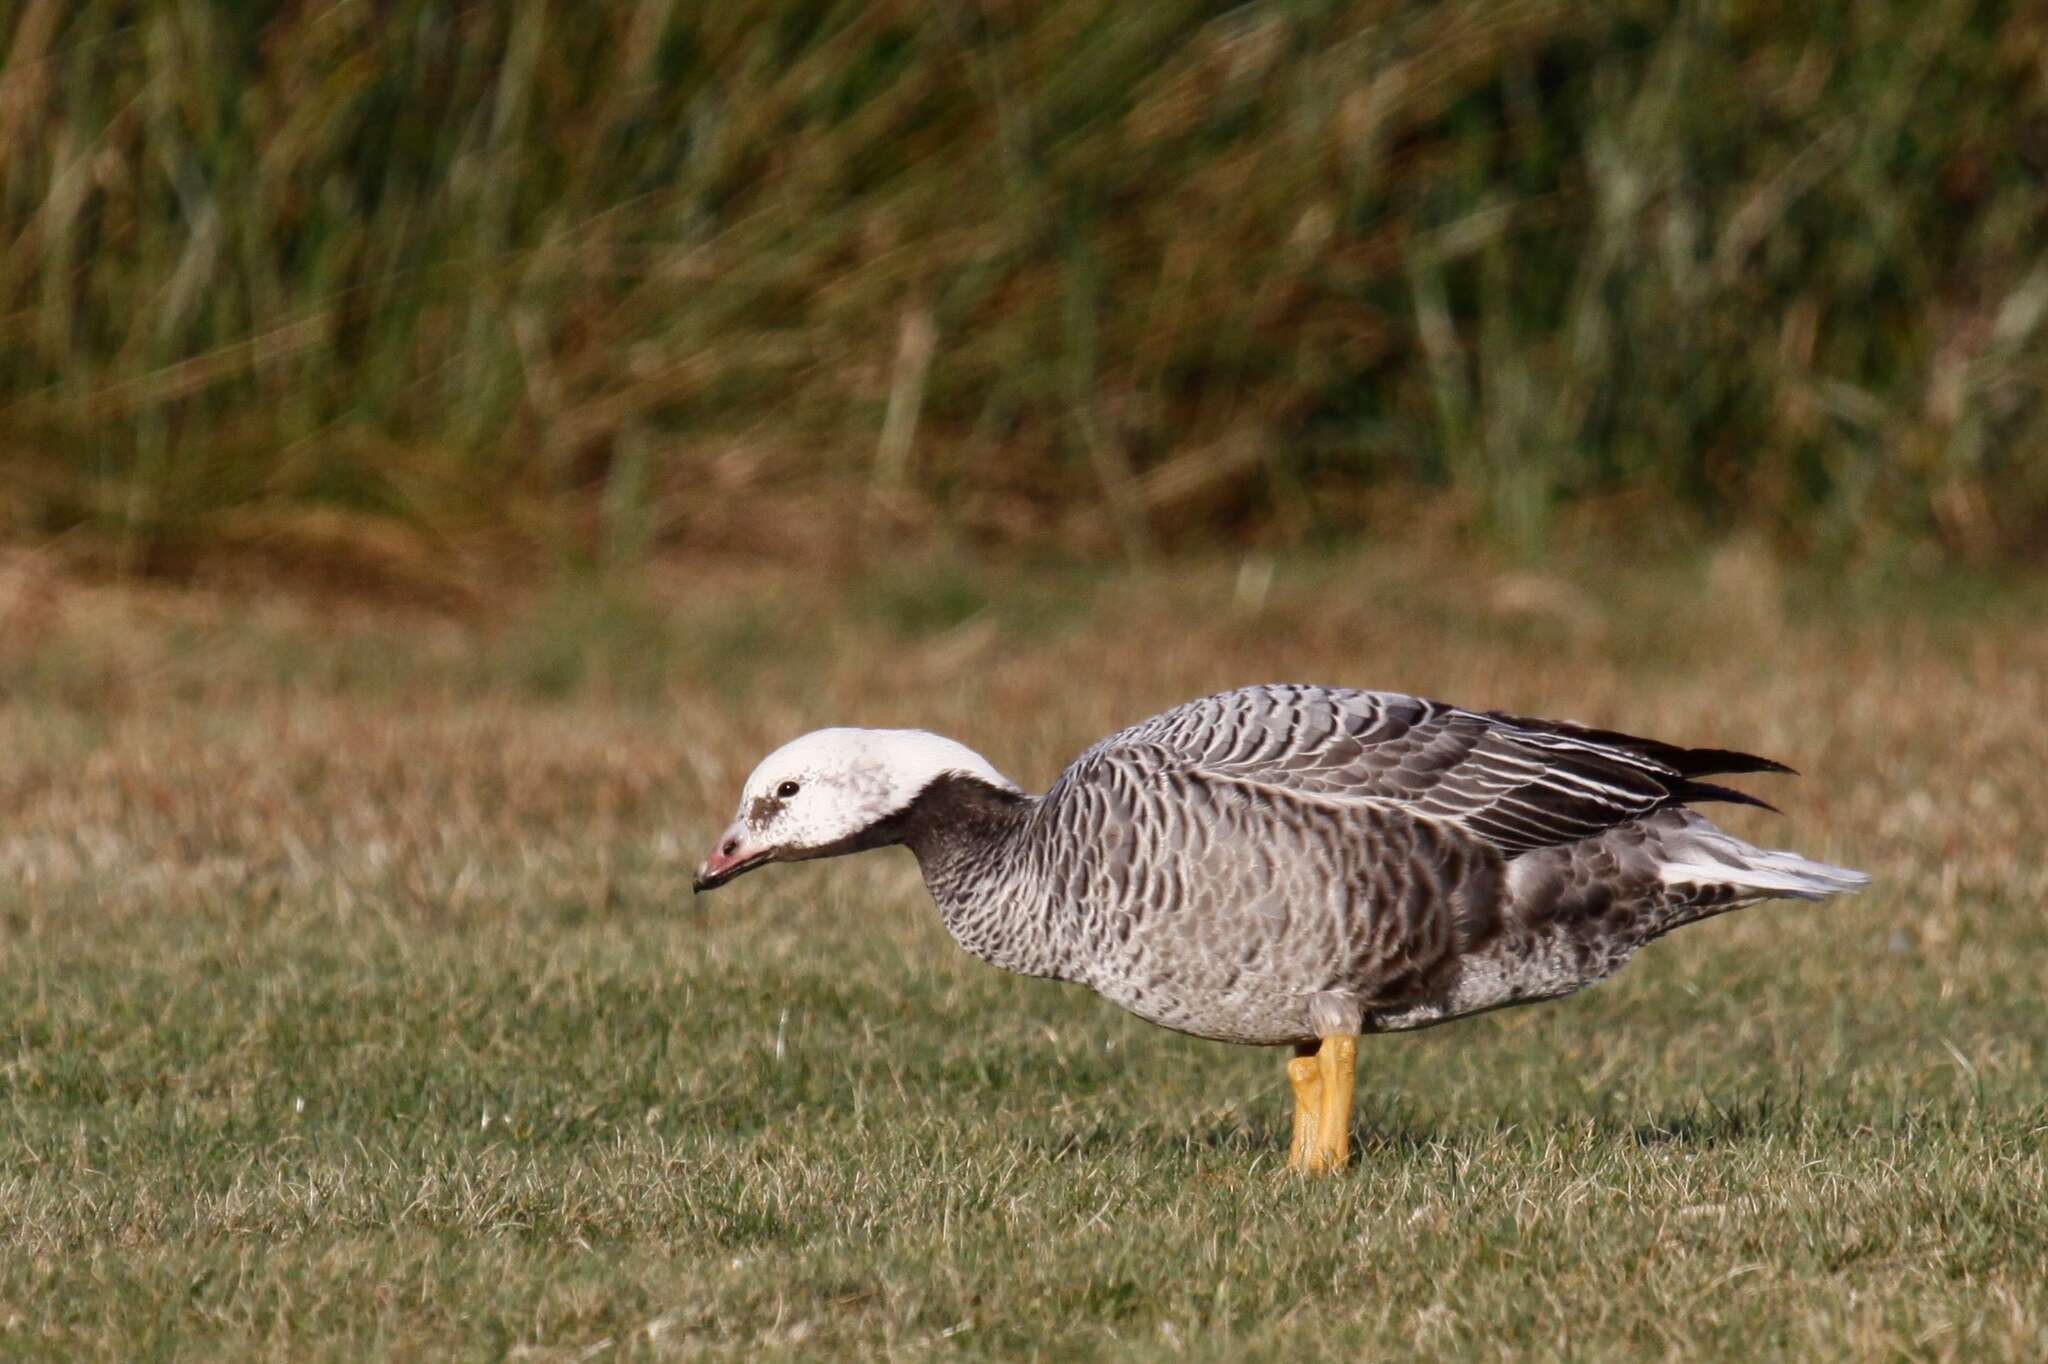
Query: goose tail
x: 1703, y: 855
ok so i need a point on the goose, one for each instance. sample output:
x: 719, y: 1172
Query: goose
x: 1293, y: 865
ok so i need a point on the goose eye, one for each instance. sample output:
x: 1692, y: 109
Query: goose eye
x: 786, y: 790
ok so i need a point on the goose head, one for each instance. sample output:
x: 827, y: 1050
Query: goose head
x: 835, y: 791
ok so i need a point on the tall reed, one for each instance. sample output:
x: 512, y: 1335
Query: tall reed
x: 619, y: 276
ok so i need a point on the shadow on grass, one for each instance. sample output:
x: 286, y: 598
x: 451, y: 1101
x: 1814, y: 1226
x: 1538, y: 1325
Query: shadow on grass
x: 1703, y: 1124
x: 1230, y: 1135
x: 1707, y: 1123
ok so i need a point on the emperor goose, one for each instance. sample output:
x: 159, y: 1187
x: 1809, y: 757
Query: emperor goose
x: 1292, y: 865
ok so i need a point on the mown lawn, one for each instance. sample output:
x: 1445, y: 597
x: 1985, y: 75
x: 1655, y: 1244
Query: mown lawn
x: 355, y: 1003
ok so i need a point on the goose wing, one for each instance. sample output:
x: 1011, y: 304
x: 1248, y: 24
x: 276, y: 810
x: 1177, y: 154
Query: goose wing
x: 1514, y: 782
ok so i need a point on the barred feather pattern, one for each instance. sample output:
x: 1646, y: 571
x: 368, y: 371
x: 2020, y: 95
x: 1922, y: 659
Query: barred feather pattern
x: 1274, y: 864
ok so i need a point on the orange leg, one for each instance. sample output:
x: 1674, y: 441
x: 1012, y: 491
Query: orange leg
x: 1338, y: 1062
x: 1323, y: 1085
x: 1307, y: 1078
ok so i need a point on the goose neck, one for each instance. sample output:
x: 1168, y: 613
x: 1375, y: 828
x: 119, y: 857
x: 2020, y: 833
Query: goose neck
x: 971, y: 842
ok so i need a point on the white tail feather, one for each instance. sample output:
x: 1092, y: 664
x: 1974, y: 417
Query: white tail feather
x: 1706, y: 856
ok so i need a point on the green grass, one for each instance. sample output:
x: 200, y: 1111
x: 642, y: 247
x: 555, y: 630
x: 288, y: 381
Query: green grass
x: 355, y: 280
x: 355, y: 1003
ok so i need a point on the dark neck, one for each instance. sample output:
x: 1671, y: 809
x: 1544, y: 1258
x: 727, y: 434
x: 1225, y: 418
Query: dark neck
x: 959, y: 819
x: 967, y: 835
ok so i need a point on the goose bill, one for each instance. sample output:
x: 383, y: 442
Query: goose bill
x: 734, y: 856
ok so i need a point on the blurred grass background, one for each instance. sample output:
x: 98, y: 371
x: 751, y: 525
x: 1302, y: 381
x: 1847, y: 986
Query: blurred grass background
x: 428, y: 289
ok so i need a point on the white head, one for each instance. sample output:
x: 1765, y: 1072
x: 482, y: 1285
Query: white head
x: 816, y: 795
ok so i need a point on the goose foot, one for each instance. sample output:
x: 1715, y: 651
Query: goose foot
x: 1323, y: 1084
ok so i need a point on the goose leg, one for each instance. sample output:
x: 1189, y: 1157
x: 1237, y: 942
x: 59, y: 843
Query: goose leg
x: 1336, y: 1063
x: 1305, y: 1075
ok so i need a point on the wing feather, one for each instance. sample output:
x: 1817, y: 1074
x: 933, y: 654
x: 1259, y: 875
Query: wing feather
x: 1518, y: 783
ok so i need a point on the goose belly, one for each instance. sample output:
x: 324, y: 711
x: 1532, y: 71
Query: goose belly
x: 1252, y: 1014
x: 1243, y: 973
x: 1513, y: 969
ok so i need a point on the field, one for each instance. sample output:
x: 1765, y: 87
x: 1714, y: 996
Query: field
x: 401, y: 409
x: 356, y: 1003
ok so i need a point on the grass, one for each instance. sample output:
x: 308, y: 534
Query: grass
x: 355, y: 1003
x: 361, y: 280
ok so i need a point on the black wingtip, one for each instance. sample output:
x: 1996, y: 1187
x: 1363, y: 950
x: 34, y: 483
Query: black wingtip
x: 1686, y: 762
x: 1708, y: 762
x: 1689, y: 792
